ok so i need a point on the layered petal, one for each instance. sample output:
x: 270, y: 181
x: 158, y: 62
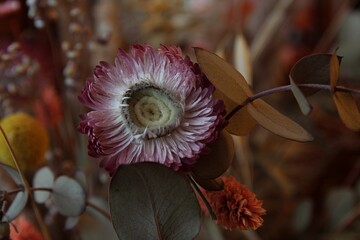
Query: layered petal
x: 236, y: 206
x: 150, y: 106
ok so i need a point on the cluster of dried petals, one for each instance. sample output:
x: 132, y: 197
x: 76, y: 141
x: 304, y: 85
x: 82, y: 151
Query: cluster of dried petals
x: 150, y: 106
x: 236, y: 206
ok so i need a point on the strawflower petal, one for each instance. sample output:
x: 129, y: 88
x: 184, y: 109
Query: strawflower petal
x: 150, y: 106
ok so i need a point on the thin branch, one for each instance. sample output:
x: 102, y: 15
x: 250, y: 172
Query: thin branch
x: 100, y: 210
x: 38, y: 216
x: 288, y: 88
x: 41, y: 189
x: 20, y: 189
x: 338, y: 18
x: 269, y: 28
x: 349, y: 219
x: 203, y: 198
x: 15, y: 191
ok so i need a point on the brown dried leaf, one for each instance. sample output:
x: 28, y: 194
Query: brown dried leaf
x: 334, y: 70
x: 277, y: 123
x: 312, y: 69
x: 241, y: 123
x: 223, y: 76
x: 347, y: 109
x: 214, y: 164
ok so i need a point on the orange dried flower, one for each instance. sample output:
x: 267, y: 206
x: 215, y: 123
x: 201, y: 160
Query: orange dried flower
x: 25, y: 230
x: 236, y: 206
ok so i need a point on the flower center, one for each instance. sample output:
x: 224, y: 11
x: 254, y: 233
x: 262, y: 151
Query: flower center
x: 151, y: 112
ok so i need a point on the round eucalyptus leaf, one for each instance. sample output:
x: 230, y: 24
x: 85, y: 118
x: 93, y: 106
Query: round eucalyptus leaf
x: 151, y: 201
x: 16, y: 206
x: 21, y: 198
x: 13, y: 173
x: 44, y: 178
x: 339, y: 202
x: 303, y: 215
x: 71, y: 223
x: 69, y: 196
x: 81, y: 178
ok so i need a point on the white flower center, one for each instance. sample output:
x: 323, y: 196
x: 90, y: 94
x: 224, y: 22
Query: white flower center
x: 151, y: 112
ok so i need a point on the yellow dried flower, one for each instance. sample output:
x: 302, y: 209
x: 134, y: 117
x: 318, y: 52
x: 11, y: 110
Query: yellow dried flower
x: 27, y: 137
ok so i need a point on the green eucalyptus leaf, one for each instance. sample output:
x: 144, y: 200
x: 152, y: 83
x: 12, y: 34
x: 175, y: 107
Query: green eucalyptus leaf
x: 303, y: 215
x: 69, y: 196
x: 80, y: 177
x: 44, y: 178
x: 303, y: 103
x: 16, y: 206
x: 93, y: 225
x: 339, y: 202
x: 71, y: 223
x: 21, y: 198
x: 13, y: 173
x: 151, y: 201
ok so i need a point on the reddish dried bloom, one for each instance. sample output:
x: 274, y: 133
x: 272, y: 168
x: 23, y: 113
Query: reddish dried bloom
x: 26, y: 230
x: 49, y: 108
x: 236, y: 206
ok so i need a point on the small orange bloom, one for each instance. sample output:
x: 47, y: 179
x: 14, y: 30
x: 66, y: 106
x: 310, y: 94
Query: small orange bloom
x: 236, y: 206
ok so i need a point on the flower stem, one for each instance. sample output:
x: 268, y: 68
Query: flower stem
x: 288, y: 88
x: 203, y: 198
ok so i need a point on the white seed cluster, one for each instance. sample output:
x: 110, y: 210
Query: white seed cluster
x: 75, y: 44
x: 17, y: 71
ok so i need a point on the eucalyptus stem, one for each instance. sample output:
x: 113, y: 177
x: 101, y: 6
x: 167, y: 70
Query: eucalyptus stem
x: 15, y: 191
x: 89, y: 204
x: 203, y: 198
x: 20, y: 189
x: 38, y: 216
x: 288, y: 88
x: 100, y: 210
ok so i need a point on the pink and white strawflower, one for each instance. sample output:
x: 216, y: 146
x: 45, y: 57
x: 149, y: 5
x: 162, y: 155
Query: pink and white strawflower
x: 150, y: 106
